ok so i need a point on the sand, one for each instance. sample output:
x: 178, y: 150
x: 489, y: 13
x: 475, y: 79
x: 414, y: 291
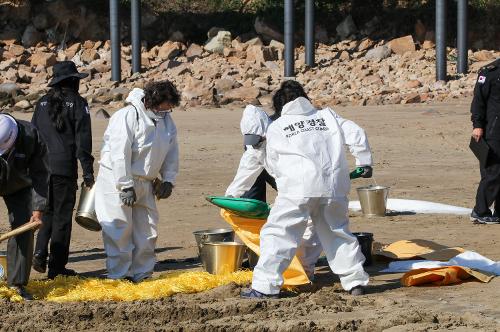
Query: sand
x: 420, y: 151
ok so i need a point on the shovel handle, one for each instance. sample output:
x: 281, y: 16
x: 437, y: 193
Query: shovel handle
x: 21, y: 229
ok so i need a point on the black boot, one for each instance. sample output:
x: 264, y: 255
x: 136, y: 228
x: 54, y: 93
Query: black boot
x: 39, y: 262
x: 64, y: 272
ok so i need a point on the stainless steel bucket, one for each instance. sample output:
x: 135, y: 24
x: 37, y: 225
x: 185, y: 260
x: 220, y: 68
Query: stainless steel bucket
x: 3, y: 265
x: 222, y: 257
x: 85, y: 214
x: 253, y: 258
x: 373, y: 200
x: 213, y: 235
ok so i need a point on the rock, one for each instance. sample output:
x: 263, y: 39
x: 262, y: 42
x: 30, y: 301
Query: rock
x: 266, y: 31
x: 321, y: 35
x: 194, y: 89
x: 16, y: 50
x: 43, y: 59
x: 254, y: 42
x: 219, y: 42
x: 428, y: 44
x: 72, y: 50
x: 180, y: 70
x: 378, y: 53
x: 344, y: 56
x: 170, y: 50
x: 430, y: 36
x: 31, y: 36
x: 272, y: 65
x: 346, y: 28
x: 411, y: 98
x: 102, y: 114
x: 402, y: 45
x: 89, y: 55
x: 213, y: 32
x: 23, y: 105
x: 247, y: 94
x: 261, y: 54
x: 483, y: 55
x: 412, y: 84
x: 194, y: 51
x: 225, y: 84
x: 278, y: 47
x: 41, y: 21
x: 420, y: 31
x: 365, y: 44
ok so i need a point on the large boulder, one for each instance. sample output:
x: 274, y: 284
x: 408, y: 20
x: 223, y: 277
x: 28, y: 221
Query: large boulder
x: 402, y: 45
x: 248, y: 94
x: 43, y: 59
x: 170, y: 50
x: 378, y: 53
x: 346, y: 28
x: 219, y: 42
x: 483, y: 56
x: 89, y: 55
x: 194, y: 51
x: 267, y: 31
x: 261, y: 54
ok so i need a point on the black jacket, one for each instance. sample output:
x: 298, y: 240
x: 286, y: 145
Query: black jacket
x: 26, y: 166
x: 485, y: 108
x: 74, y: 142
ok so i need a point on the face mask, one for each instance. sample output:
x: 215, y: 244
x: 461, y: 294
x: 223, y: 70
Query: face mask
x: 156, y: 115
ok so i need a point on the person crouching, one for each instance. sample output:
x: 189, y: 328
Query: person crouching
x: 140, y: 144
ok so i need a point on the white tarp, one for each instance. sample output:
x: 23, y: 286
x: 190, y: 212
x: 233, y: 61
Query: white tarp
x: 469, y: 259
x: 409, y: 205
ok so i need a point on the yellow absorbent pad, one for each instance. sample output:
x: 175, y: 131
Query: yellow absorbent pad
x: 248, y: 230
x: 72, y: 289
x: 442, y: 276
x: 418, y: 248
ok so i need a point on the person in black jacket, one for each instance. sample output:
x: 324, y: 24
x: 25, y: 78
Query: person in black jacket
x: 485, y: 116
x: 62, y: 116
x: 23, y: 186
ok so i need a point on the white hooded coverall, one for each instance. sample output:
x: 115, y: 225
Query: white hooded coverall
x: 135, y: 151
x: 306, y: 156
x: 256, y: 122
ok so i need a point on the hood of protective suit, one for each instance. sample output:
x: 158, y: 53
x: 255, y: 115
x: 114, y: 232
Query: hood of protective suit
x: 254, y: 121
x: 300, y: 106
x: 135, y: 98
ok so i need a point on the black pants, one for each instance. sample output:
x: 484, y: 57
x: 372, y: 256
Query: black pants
x: 57, y: 222
x: 19, y: 248
x: 258, y: 190
x: 488, y: 191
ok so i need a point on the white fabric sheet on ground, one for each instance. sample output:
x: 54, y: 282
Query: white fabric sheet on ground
x: 469, y: 259
x: 409, y: 205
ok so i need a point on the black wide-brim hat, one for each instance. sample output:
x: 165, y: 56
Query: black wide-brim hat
x: 63, y: 70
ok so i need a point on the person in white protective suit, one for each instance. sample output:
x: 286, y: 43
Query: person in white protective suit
x: 140, y: 145
x: 254, y: 124
x: 305, y: 153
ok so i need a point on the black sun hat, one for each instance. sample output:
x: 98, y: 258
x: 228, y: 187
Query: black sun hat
x: 63, y: 70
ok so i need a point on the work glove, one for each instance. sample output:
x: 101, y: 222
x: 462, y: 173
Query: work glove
x: 128, y: 196
x: 89, y: 180
x: 164, y: 190
x: 361, y: 172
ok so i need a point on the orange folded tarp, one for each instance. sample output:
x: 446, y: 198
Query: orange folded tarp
x: 248, y: 230
x: 442, y: 276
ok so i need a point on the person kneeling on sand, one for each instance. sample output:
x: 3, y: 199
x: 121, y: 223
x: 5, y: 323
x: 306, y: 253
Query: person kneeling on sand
x: 305, y: 153
x: 140, y: 144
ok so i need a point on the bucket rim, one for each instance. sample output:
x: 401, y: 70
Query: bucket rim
x: 221, y: 243
x: 371, y: 187
x: 362, y: 234
x: 214, y: 231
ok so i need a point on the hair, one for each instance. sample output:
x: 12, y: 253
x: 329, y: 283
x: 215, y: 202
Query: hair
x: 289, y: 91
x: 157, y: 93
x: 55, y: 100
